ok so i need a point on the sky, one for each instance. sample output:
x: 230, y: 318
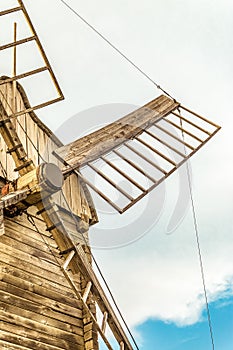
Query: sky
x: 185, y: 46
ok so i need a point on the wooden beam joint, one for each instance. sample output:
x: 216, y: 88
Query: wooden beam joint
x: 87, y: 291
x: 26, y: 164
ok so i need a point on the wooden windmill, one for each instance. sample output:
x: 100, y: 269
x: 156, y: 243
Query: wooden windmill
x: 49, y: 290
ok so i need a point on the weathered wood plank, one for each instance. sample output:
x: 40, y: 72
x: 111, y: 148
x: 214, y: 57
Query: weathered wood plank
x: 20, y: 223
x: 19, y: 339
x: 7, y: 346
x: 41, y: 305
x: 34, y: 282
x: 32, y: 260
x: 33, y: 333
x: 47, y: 326
x: 29, y: 310
x: 41, y: 295
x: 111, y: 128
x: 90, y: 147
x: 32, y: 324
x: 30, y: 268
x: 32, y: 251
x: 32, y: 239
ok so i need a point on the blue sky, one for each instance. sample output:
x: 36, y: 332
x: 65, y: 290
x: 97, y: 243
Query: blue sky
x: 167, y: 336
x: 186, y: 46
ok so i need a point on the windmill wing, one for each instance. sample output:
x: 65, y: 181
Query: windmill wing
x: 125, y: 160
x: 90, y: 147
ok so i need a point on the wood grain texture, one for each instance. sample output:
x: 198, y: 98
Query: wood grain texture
x: 36, y: 302
x: 40, y: 140
x: 38, y: 308
x: 92, y: 146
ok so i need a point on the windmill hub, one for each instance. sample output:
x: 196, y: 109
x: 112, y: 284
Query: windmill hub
x: 30, y: 188
x: 51, y: 176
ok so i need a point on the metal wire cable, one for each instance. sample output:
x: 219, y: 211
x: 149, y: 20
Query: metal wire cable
x: 4, y: 173
x: 115, y: 48
x: 24, y: 130
x: 103, y: 278
x: 196, y: 229
x: 31, y: 220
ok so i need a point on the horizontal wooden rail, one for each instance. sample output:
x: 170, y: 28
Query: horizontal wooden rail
x: 8, y: 11
x: 18, y: 42
x: 24, y: 75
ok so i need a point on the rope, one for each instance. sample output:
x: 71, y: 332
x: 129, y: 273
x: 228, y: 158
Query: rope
x: 196, y: 229
x: 115, y: 48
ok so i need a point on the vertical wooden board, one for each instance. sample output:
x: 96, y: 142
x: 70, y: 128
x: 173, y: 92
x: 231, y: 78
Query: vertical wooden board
x: 75, y: 199
x: 6, y: 97
x: 66, y: 194
x: 32, y: 140
x: 43, y: 145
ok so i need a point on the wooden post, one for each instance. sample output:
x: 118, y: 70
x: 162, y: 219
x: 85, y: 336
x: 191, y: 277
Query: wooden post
x: 14, y: 70
x: 104, y: 323
x: 122, y: 346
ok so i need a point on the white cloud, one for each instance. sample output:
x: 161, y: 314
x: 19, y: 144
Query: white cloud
x: 159, y: 276
x: 187, y: 47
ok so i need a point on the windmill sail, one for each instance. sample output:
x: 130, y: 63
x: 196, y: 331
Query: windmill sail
x: 130, y: 157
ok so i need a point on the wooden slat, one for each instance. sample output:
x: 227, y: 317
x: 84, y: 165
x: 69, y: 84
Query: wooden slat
x: 30, y: 268
x: 36, y: 302
x: 30, y: 240
x: 32, y: 251
x: 113, y: 127
x: 31, y: 260
x: 22, y: 76
x: 26, y: 308
x: 88, y: 148
x: 8, y: 11
x: 55, y: 335
x: 43, y: 339
x: 19, y: 339
x: 5, y: 345
x: 20, y: 224
x: 16, y: 43
x: 39, y: 284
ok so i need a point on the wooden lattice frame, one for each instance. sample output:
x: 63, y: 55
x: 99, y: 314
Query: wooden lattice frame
x: 144, y: 127
x: 46, y: 67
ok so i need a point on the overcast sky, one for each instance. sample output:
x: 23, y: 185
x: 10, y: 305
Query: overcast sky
x: 186, y: 46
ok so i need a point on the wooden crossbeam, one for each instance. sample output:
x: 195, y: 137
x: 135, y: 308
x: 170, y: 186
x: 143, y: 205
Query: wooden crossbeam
x: 68, y: 259
x: 8, y: 11
x: 16, y: 43
x: 104, y: 322
x: 87, y: 291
